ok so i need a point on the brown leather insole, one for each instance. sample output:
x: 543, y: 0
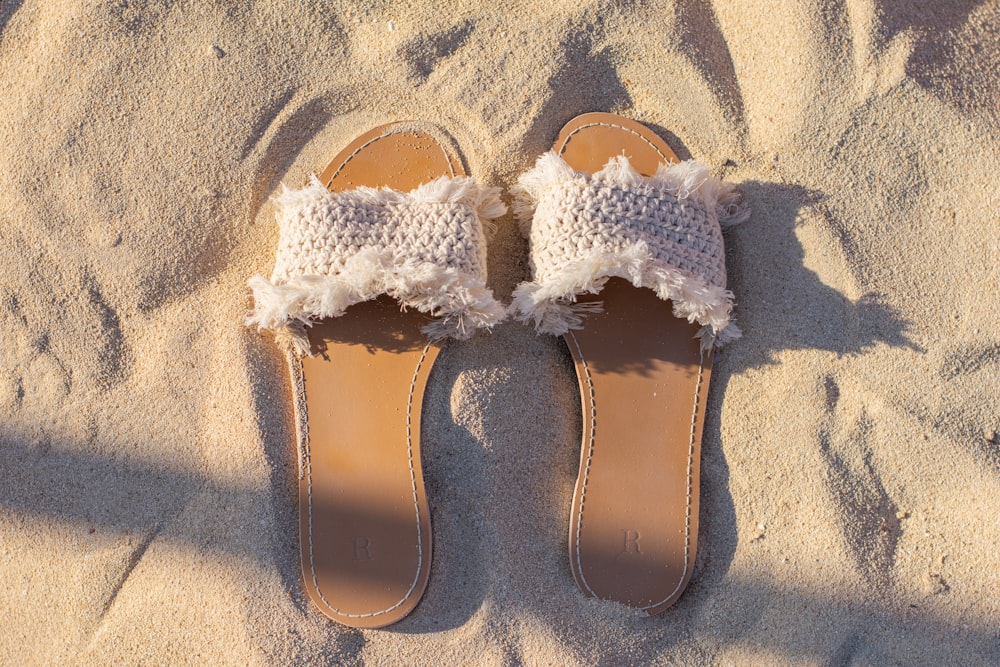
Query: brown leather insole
x: 365, y: 524
x: 643, y: 386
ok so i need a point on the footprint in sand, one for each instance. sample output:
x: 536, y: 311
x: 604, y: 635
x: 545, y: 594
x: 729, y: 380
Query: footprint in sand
x: 868, y: 515
x: 87, y: 349
x: 424, y: 54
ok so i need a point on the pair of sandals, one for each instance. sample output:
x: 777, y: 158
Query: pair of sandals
x: 627, y: 261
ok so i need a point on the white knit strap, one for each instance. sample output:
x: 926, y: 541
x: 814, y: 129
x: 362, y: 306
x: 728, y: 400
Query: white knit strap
x: 426, y: 248
x: 662, y: 232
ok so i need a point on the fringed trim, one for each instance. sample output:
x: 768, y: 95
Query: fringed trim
x: 462, y: 302
x: 690, y: 180
x: 551, y: 307
x: 711, y: 339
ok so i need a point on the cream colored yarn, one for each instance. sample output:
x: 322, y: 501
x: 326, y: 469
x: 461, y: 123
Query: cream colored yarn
x: 662, y: 232
x: 426, y: 248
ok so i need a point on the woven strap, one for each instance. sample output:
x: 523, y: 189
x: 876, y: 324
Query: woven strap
x: 663, y: 232
x: 426, y: 248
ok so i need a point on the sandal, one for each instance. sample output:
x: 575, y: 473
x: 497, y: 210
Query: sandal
x: 627, y: 261
x: 367, y: 283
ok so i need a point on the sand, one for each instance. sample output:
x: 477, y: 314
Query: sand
x: 851, y: 459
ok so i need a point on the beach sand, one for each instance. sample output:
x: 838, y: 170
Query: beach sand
x: 851, y: 460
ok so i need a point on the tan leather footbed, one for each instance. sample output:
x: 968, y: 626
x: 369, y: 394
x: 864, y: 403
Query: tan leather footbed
x: 643, y: 386
x: 364, y: 521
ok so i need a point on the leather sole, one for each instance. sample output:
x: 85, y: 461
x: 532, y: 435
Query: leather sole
x: 365, y: 531
x: 643, y: 387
